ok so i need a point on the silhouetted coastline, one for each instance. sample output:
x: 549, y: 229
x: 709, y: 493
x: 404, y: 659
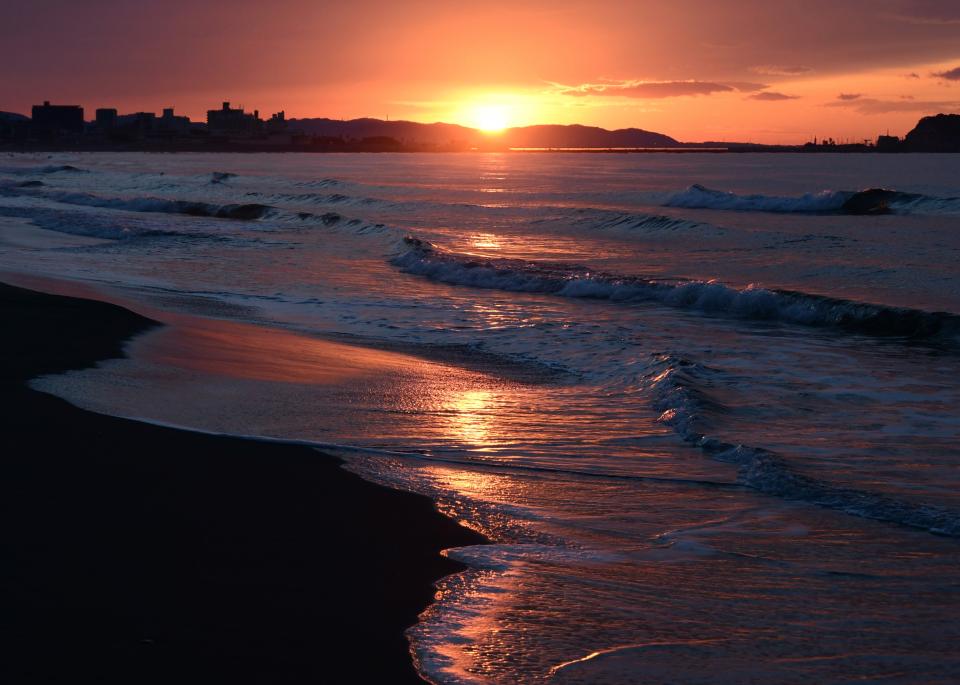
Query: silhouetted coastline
x: 55, y: 128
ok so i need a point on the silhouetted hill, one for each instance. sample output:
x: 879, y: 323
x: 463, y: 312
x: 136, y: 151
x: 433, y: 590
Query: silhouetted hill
x: 13, y: 116
x: 940, y: 133
x: 411, y: 133
x: 576, y: 135
x: 407, y: 132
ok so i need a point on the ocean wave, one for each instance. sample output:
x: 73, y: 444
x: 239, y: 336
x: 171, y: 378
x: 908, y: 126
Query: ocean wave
x: 319, y: 183
x: 629, y: 223
x: 753, y: 302
x: 327, y: 199
x: 365, y: 202
x: 91, y: 226
x: 46, y: 169
x: 865, y: 202
x: 250, y: 211
x: 221, y: 176
x: 239, y: 211
x: 679, y: 388
x: 353, y: 226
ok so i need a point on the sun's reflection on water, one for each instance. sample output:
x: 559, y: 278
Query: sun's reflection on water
x: 486, y: 241
x: 470, y: 417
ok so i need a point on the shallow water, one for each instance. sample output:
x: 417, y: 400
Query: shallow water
x: 708, y: 419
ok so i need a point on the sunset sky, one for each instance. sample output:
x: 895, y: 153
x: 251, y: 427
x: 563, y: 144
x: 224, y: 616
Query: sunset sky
x: 694, y: 69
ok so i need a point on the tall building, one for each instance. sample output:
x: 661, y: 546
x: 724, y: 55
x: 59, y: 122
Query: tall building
x: 277, y: 123
x: 56, y: 120
x: 230, y: 121
x: 172, y: 125
x: 106, y: 118
x: 137, y: 124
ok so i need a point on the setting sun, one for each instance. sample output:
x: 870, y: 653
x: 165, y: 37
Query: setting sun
x: 490, y: 118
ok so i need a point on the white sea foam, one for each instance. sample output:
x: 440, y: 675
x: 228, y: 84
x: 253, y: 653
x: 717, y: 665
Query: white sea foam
x: 753, y: 302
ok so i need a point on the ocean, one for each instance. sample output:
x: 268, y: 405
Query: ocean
x: 706, y: 413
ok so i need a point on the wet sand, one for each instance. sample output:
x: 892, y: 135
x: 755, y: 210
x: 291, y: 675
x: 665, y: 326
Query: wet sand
x: 136, y: 553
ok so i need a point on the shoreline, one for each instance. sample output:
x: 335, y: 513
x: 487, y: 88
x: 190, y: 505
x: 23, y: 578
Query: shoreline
x: 141, y: 553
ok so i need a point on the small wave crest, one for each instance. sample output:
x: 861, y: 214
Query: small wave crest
x: 354, y: 226
x: 319, y: 183
x: 72, y: 222
x: 329, y: 199
x: 629, y: 223
x: 42, y: 170
x: 238, y: 211
x: 701, y: 197
x: 221, y: 176
x: 250, y: 211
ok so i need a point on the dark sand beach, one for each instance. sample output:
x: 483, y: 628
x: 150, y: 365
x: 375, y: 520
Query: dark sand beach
x: 135, y: 553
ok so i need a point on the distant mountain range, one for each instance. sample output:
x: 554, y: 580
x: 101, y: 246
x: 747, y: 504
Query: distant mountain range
x: 551, y: 135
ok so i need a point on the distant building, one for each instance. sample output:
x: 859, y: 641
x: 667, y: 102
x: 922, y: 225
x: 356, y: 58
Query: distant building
x: 172, y: 125
x: 137, y: 125
x: 888, y: 143
x: 277, y: 123
x: 228, y: 121
x: 57, y: 120
x: 106, y: 118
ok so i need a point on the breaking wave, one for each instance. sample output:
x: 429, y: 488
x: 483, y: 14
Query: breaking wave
x: 870, y: 201
x: 677, y: 386
x: 753, y: 302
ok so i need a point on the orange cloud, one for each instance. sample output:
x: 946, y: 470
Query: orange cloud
x: 656, y: 89
x: 775, y: 70
x: 772, y: 96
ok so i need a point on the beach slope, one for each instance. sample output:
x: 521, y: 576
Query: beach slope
x: 135, y: 553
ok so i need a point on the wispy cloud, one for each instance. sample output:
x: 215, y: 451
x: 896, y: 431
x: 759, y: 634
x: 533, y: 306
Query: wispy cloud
x: 746, y: 86
x: 876, y: 106
x: 772, y: 96
x: 849, y: 96
x: 645, y: 89
x: 949, y: 74
x: 781, y: 70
